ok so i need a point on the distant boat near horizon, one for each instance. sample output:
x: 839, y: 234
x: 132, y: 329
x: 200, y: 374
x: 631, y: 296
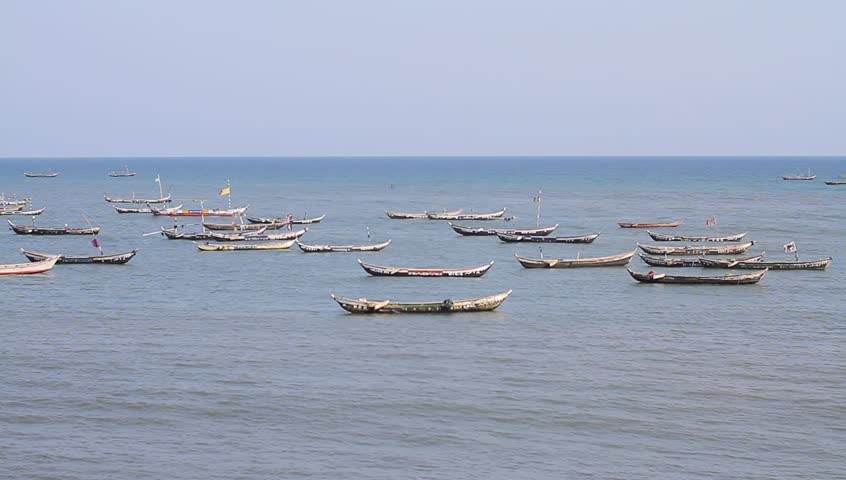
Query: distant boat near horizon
x: 124, y: 173
x: 799, y: 176
x: 49, y: 174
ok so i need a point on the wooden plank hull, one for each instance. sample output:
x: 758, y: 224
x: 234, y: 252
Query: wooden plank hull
x: 697, y: 249
x: 820, y: 264
x: 28, y: 213
x: 132, y: 210
x: 236, y: 227
x: 28, y: 268
x: 342, y: 248
x: 41, y: 175
x: 257, y: 236
x: 799, y: 177
x: 743, y: 279
x: 383, y: 271
x: 32, y: 230
x: 607, y: 261
x: 176, y: 234
x: 422, y: 215
x: 835, y: 182
x: 466, y: 216
x: 229, y: 247
x: 295, y: 221
x: 663, y: 237
x: 145, y: 201
x: 114, y: 259
x: 686, y: 261
x: 481, y: 304
x: 214, y: 212
x: 672, y: 224
x: 480, y: 231
x: 589, y: 238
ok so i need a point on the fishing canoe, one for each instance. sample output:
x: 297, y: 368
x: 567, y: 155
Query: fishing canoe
x: 835, y: 182
x: 8, y: 201
x: 28, y: 268
x: 113, y: 259
x: 29, y: 213
x: 408, y: 216
x: 228, y: 247
x: 295, y: 221
x: 663, y: 237
x: 124, y: 173
x: 166, y: 199
x: 674, y: 223
x: 742, y: 279
x: 176, y: 234
x: 256, y: 236
x: 799, y: 177
x: 244, y: 227
x: 342, y: 248
x: 480, y: 304
x: 41, y: 175
x: 480, y: 231
x: 466, y: 216
x: 33, y: 230
x: 686, y: 261
x: 608, y: 261
x: 383, y: 271
x: 11, y: 208
x: 751, y: 264
x: 697, y: 249
x: 589, y: 238
x: 211, y: 212
x: 133, y: 210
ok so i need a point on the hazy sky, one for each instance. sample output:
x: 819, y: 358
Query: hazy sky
x: 427, y: 77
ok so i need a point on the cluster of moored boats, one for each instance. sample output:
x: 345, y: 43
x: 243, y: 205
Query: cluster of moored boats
x: 809, y: 177
x: 254, y: 233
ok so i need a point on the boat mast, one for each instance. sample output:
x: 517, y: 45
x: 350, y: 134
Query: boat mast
x: 159, y: 181
x: 537, y: 200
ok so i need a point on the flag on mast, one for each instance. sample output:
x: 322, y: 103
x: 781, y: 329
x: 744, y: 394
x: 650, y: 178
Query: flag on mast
x: 711, y: 221
x: 158, y: 179
x: 225, y: 190
x: 790, y: 247
x: 95, y: 242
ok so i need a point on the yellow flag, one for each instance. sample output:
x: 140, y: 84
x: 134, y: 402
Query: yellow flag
x: 225, y: 190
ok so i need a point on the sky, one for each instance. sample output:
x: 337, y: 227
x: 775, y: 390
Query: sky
x: 428, y: 77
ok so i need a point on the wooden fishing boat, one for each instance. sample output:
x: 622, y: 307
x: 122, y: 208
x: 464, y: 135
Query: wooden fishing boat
x: 466, y: 216
x: 383, y: 271
x: 154, y: 201
x: 19, y: 201
x: 295, y: 221
x: 228, y: 247
x: 674, y: 223
x: 342, y: 248
x: 123, y: 173
x: 685, y: 261
x: 133, y: 210
x: 11, y: 208
x: 742, y: 279
x: 28, y: 268
x: 663, y: 237
x: 480, y: 231
x: 177, y: 234
x: 28, y: 213
x: 800, y: 176
x: 589, y: 238
x: 49, y: 174
x: 697, y: 249
x: 211, y: 212
x: 113, y: 259
x: 480, y: 304
x: 33, y: 230
x: 409, y: 216
x: 607, y: 261
x: 752, y: 264
x: 257, y: 236
x: 244, y: 227
x: 835, y: 182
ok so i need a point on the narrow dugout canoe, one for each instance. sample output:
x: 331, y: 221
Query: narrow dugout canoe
x: 674, y: 223
x: 342, y: 248
x: 384, y: 271
x: 663, y: 237
x: 589, y: 238
x: 751, y: 264
x: 686, y: 261
x: 481, y: 231
x: 228, y: 247
x: 113, y: 259
x: 697, y: 249
x: 742, y: 279
x: 410, y: 216
x: 28, y: 268
x: 607, y: 261
x: 480, y: 304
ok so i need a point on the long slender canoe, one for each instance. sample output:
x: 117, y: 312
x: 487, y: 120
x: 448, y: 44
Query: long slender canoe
x: 663, y: 237
x: 33, y: 230
x: 799, y: 177
x: 466, y: 216
x: 14, y: 201
x: 607, y: 261
x: 342, y: 248
x: 697, y: 249
x: 11, y: 208
x: 113, y: 259
x: 409, y: 216
x: 835, y: 182
x: 50, y: 174
x: 743, y: 279
x: 133, y: 210
x: 687, y: 261
x: 28, y: 213
x: 819, y: 264
x: 480, y: 231
x: 122, y: 173
x: 227, y: 247
x: 257, y: 236
x: 166, y: 199
x: 480, y: 304
x: 237, y: 227
x: 589, y: 238
x: 211, y: 212
x: 177, y: 234
x: 28, y: 268
x: 295, y: 221
x: 674, y: 223
x: 383, y: 271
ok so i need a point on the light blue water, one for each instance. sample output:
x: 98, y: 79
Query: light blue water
x: 184, y: 364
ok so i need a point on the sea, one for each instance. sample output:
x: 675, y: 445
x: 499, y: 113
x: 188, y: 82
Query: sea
x: 220, y: 365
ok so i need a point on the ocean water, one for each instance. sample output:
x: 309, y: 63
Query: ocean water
x: 188, y: 364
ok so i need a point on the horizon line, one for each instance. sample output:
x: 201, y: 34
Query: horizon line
x: 415, y: 156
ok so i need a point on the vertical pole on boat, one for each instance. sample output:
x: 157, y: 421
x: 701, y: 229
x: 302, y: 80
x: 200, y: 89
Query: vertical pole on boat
x: 368, y: 234
x: 159, y: 181
x: 202, y: 217
x: 537, y: 200
x: 229, y: 195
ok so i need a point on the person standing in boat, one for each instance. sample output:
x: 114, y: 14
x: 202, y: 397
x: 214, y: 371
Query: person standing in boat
x: 290, y: 219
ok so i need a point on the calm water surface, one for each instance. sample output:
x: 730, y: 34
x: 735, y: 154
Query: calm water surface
x: 184, y: 364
